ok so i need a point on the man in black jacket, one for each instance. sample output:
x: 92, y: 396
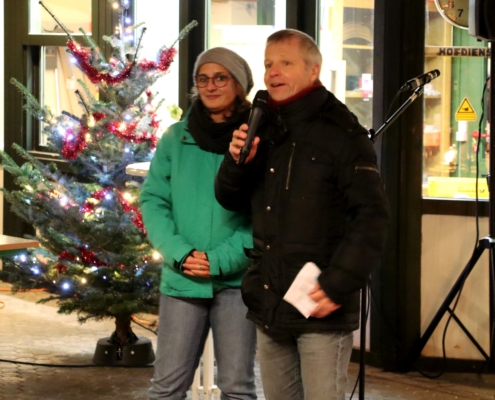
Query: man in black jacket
x: 312, y: 185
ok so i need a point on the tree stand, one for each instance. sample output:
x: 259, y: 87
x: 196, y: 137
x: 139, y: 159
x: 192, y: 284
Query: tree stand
x: 129, y: 355
x: 124, y: 348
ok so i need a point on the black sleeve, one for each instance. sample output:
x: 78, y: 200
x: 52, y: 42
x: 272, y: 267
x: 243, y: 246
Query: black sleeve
x: 367, y: 219
x: 234, y: 185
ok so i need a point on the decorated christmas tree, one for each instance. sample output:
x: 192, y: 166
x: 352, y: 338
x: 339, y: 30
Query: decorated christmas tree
x: 94, y: 258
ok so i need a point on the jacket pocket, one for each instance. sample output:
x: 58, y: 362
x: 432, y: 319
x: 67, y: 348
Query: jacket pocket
x: 251, y: 288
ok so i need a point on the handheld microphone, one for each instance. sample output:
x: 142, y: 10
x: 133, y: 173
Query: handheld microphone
x: 259, y: 104
x: 421, y: 80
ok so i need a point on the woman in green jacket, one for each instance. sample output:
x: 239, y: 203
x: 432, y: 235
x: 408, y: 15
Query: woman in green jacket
x: 201, y: 243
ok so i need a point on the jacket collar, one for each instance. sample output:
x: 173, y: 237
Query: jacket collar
x: 306, y: 107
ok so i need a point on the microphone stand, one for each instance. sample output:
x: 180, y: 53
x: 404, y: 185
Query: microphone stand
x: 364, y: 310
x: 418, y: 92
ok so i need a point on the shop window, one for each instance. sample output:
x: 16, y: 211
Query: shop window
x: 59, y: 81
x: 452, y: 111
x: 346, y: 43
x: 243, y: 26
x: 72, y: 14
x: 55, y: 77
x: 162, y: 29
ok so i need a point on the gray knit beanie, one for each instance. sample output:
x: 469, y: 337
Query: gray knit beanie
x: 231, y: 61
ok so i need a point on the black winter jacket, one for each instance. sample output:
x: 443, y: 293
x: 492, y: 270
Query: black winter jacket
x: 315, y: 195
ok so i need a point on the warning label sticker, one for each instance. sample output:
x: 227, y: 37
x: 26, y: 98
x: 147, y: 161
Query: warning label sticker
x: 465, y: 112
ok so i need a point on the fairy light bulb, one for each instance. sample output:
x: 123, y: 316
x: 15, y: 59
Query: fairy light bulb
x: 84, y: 281
x: 35, y: 270
x: 66, y: 286
x: 115, y: 5
x: 63, y: 201
x: 23, y: 258
x: 156, y: 255
x: 127, y: 196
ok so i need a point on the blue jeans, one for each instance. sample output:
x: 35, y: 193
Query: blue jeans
x: 310, y: 366
x: 183, y: 327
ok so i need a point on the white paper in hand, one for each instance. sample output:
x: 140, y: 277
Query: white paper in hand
x: 297, y: 295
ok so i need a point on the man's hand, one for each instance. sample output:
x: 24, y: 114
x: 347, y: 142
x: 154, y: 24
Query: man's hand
x: 197, y: 264
x: 325, y: 306
x: 238, y: 141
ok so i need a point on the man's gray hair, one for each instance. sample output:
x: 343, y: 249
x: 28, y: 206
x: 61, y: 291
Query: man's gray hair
x: 311, y: 52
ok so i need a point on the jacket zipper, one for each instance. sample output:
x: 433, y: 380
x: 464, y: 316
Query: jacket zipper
x: 358, y: 167
x: 290, y: 165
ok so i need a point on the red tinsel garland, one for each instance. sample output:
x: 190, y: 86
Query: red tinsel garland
x: 136, y: 218
x: 65, y: 255
x: 165, y: 59
x: 87, y: 256
x: 98, y: 116
x: 82, y: 56
x: 128, y: 134
x: 73, y: 143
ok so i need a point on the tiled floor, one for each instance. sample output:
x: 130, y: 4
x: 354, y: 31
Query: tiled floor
x: 35, y: 333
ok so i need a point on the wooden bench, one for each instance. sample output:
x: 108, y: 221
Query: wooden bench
x: 11, y: 245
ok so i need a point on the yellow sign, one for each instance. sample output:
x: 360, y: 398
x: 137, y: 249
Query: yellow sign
x: 465, y: 111
x: 456, y: 188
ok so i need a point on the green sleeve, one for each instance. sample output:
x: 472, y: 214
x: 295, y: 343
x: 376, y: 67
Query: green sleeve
x: 156, y: 206
x: 229, y: 257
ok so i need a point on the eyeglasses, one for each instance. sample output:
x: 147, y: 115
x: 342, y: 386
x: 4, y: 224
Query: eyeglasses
x: 218, y: 80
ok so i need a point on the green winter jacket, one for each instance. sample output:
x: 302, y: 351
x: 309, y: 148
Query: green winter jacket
x: 180, y: 213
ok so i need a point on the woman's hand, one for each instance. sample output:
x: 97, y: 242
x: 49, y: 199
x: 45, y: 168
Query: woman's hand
x: 238, y: 141
x: 197, y: 264
x: 324, y: 306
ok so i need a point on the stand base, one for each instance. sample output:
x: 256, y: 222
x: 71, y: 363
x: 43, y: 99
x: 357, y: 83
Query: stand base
x: 139, y: 353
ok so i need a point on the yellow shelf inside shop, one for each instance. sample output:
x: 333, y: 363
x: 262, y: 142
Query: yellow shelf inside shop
x: 457, y: 188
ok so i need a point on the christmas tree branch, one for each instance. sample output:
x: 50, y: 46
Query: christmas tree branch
x: 184, y: 32
x: 46, y: 171
x: 56, y: 20
x: 93, y: 45
x: 32, y: 105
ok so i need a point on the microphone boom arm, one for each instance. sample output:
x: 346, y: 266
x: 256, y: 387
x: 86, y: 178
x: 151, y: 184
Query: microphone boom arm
x: 418, y: 92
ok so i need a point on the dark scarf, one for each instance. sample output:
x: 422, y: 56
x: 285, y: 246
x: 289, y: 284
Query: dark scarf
x: 211, y: 136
